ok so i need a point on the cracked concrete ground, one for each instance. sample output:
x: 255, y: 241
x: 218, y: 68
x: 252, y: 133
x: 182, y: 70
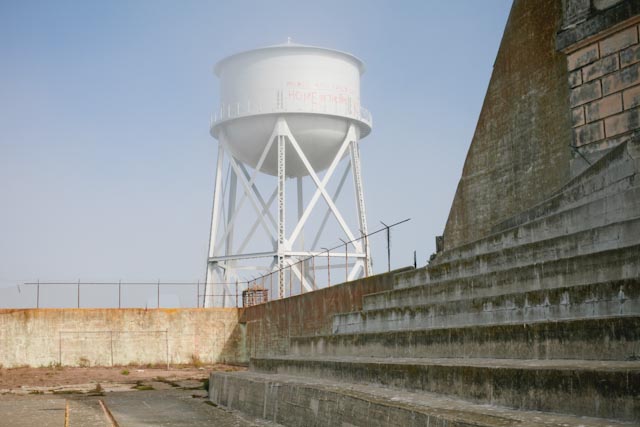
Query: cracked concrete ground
x: 170, y: 408
x: 142, y: 398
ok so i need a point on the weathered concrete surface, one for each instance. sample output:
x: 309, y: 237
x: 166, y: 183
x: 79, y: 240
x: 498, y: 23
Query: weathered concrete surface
x: 270, y: 326
x: 169, y: 408
x: 590, y: 388
x: 617, y: 264
x: 29, y: 411
x: 172, y: 408
x: 616, y: 298
x: 519, y: 153
x: 314, y: 402
x: 560, y: 241
x: 618, y: 339
x: 104, y: 337
x: 611, y: 174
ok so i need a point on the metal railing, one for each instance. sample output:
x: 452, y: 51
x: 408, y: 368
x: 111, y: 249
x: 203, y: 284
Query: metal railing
x: 80, y: 286
x: 235, y: 291
x: 237, y: 110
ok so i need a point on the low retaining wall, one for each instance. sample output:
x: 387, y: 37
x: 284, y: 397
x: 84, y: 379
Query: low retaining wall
x: 104, y: 337
x: 269, y: 327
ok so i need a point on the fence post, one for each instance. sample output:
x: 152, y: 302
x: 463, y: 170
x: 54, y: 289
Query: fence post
x: 111, y: 345
x: 38, y: 294
x: 313, y: 266
x: 78, y: 293
x: 158, y: 293
x: 346, y: 261
x: 166, y: 337
x: 198, y: 295
x: 365, y: 239
x: 388, y: 245
x: 328, y: 268
x: 120, y: 293
x: 237, y: 294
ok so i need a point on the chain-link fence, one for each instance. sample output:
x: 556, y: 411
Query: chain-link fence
x: 326, y: 267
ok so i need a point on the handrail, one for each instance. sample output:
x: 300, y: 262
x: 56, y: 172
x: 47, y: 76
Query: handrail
x: 238, y: 110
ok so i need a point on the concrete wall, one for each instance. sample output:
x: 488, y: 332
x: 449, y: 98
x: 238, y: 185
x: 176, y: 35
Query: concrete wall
x: 269, y: 327
x: 75, y: 337
x: 519, y: 153
x: 104, y: 337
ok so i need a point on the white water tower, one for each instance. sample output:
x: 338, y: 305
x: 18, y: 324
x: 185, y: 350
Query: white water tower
x: 291, y: 112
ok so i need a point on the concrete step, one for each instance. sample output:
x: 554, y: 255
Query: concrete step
x: 296, y: 401
x: 614, y: 208
x: 611, y: 236
x: 608, y: 389
x: 616, y: 338
x: 614, y: 171
x: 617, y: 264
x: 616, y: 298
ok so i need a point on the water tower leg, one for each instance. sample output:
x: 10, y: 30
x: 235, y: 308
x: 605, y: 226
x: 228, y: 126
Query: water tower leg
x: 362, y: 216
x: 281, y: 215
x: 300, y: 210
x: 232, y: 192
x: 215, y: 216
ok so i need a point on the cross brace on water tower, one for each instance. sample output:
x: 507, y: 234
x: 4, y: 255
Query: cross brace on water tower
x: 225, y: 261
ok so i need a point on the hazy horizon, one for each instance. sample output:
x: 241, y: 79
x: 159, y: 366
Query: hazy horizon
x: 106, y: 162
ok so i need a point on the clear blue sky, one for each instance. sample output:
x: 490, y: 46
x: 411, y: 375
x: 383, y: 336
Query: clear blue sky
x: 106, y: 162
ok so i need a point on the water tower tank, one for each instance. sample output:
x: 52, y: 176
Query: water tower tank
x: 286, y: 111
x: 317, y: 91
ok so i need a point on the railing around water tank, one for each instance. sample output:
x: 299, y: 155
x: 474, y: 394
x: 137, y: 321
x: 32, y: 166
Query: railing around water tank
x: 237, y: 110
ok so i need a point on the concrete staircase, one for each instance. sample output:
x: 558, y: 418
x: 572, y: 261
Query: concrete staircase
x: 537, y: 324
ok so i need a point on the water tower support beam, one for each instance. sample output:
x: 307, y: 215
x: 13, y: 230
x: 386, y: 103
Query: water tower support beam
x: 256, y: 222
x: 362, y: 217
x: 281, y: 213
x: 300, y: 210
x: 215, y: 215
x: 256, y: 192
x: 226, y: 256
x: 327, y: 213
x: 303, y: 280
x: 250, y: 191
x: 320, y: 185
x: 231, y: 209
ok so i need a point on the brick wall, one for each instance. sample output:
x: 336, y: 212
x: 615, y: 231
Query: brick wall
x: 604, y: 77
